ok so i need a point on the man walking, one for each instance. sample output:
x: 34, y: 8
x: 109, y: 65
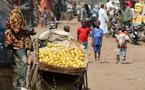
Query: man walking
x: 103, y: 18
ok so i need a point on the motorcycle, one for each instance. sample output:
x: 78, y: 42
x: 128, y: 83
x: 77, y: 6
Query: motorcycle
x: 136, y: 33
x: 141, y: 31
x: 115, y: 26
x: 133, y: 35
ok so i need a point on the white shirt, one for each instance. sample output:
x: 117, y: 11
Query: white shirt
x: 103, y: 18
x: 103, y: 15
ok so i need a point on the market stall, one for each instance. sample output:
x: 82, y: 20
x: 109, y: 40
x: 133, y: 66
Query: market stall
x: 60, y: 64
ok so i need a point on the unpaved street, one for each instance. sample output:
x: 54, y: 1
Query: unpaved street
x: 111, y: 76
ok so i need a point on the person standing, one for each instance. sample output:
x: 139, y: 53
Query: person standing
x: 85, y: 12
x: 122, y: 4
x: 97, y: 37
x: 58, y: 9
x: 45, y: 17
x: 103, y: 18
x: 138, y: 8
x: 18, y: 40
x: 121, y: 39
x: 128, y: 15
x: 94, y: 11
x: 83, y: 33
x: 111, y: 9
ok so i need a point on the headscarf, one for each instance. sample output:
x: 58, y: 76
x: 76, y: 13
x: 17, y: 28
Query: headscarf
x: 13, y: 34
x: 15, y: 20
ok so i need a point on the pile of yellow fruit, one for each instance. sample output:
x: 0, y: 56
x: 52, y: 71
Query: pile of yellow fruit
x: 59, y: 55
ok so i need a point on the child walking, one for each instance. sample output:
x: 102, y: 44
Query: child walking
x: 97, y: 37
x: 121, y: 39
x: 83, y: 34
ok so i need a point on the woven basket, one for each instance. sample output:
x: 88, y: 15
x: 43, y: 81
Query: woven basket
x: 64, y: 70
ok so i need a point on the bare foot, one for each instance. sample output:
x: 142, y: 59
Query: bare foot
x: 117, y: 61
x: 98, y: 61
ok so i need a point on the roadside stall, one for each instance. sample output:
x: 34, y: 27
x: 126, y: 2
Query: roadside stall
x: 60, y: 63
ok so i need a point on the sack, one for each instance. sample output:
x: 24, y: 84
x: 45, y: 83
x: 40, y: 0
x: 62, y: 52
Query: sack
x: 6, y: 57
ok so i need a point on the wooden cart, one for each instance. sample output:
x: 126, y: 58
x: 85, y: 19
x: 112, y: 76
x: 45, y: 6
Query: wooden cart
x: 47, y: 77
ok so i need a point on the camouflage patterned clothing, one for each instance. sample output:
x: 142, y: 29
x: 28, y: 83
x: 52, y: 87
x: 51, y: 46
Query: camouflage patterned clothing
x: 18, y: 39
x: 14, y: 33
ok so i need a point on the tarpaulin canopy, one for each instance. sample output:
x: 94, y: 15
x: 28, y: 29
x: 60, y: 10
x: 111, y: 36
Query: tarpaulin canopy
x: 45, y: 4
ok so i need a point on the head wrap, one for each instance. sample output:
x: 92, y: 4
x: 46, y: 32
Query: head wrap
x: 15, y: 20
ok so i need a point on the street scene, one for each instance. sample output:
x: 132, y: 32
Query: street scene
x: 72, y: 45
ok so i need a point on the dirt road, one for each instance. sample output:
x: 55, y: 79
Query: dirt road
x: 111, y: 76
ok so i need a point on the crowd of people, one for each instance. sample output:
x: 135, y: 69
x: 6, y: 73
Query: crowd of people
x: 18, y: 40
x: 101, y: 26
x: 97, y: 35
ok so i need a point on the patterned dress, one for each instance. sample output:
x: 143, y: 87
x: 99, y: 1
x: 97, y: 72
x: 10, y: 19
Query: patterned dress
x: 18, y: 39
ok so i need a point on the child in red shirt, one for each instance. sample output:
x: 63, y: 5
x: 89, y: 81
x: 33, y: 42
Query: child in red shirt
x: 83, y: 33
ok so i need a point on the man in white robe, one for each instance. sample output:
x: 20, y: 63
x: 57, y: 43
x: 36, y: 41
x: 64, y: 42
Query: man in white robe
x: 103, y: 18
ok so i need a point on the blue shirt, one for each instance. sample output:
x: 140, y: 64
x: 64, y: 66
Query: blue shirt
x: 94, y: 12
x: 97, y: 35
